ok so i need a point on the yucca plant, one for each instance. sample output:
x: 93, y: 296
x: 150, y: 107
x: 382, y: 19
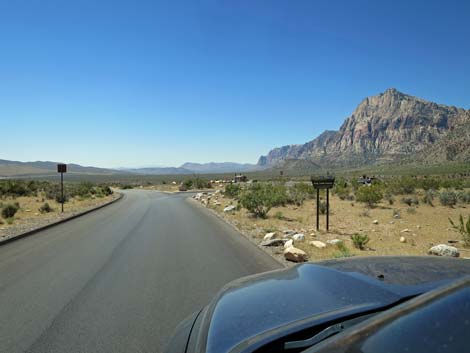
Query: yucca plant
x: 464, y: 229
x: 360, y: 240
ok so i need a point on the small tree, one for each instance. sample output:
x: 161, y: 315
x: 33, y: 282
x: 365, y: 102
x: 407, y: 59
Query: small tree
x: 370, y: 195
x: 464, y: 229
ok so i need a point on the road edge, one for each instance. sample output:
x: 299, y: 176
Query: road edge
x: 211, y: 211
x: 53, y: 224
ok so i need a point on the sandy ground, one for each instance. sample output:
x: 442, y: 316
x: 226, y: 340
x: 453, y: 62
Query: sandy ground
x: 29, y: 217
x: 422, y: 226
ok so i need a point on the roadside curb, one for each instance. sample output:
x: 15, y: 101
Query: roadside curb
x: 247, y: 237
x: 50, y: 225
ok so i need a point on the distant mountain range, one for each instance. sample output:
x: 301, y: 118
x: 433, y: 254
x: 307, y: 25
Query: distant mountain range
x: 197, y: 168
x: 391, y: 127
x: 16, y: 168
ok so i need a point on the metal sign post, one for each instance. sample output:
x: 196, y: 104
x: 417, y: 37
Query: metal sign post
x: 323, y: 183
x: 62, y: 168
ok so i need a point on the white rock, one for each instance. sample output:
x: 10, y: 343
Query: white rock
x: 295, y: 255
x: 298, y: 237
x: 318, y: 244
x: 375, y: 221
x: 269, y: 236
x: 288, y: 243
x: 229, y: 208
x: 334, y: 241
x: 402, y: 240
x: 406, y: 230
x: 444, y: 250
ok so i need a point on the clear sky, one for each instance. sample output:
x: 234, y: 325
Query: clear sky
x: 134, y: 83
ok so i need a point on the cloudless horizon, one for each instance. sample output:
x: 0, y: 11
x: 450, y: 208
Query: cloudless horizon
x: 160, y: 83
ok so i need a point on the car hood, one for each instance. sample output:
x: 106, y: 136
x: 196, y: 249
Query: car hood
x: 262, y: 304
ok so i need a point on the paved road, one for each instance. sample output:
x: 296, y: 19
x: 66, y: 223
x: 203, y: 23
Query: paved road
x: 118, y: 279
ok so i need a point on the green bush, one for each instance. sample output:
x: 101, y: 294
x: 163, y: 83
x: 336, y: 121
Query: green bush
x: 232, y: 190
x: 402, y: 186
x: 343, y: 250
x: 259, y: 198
x: 9, y: 211
x: 464, y: 196
x: 45, y: 208
x: 464, y: 229
x: 369, y: 195
x: 429, y: 184
x: 389, y: 197
x: 448, y: 198
x: 360, y: 240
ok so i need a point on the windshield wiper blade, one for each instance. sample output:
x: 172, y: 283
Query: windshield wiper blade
x: 328, y: 332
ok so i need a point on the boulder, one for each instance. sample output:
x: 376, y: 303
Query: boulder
x: 334, y: 241
x: 318, y: 244
x: 288, y: 233
x: 375, y: 221
x: 229, y: 208
x: 402, y: 240
x: 289, y: 243
x: 269, y: 236
x: 444, y: 250
x: 295, y: 255
x: 298, y: 237
x: 273, y: 242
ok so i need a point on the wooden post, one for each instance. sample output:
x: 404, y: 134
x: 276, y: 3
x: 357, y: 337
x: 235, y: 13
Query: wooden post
x: 327, y: 209
x: 318, y: 209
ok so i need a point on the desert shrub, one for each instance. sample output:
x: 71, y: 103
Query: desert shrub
x: 464, y: 196
x: 343, y: 190
x: 369, y: 195
x: 402, y: 186
x: 343, y: 250
x: 410, y: 201
x: 232, y: 190
x: 448, y: 198
x: 187, y: 184
x: 106, y: 190
x: 9, y: 211
x: 389, y: 198
x: 396, y: 213
x: 411, y: 210
x: 360, y: 240
x: 429, y: 184
x: 428, y: 197
x: 464, y: 229
x: 83, y: 189
x: 279, y: 215
x: 127, y: 186
x: 10, y: 220
x: 45, y: 208
x: 259, y: 198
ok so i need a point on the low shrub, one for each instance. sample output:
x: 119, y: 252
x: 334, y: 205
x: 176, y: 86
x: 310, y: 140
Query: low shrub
x: 259, y: 198
x: 448, y: 198
x: 410, y: 201
x: 343, y: 250
x: 370, y: 195
x: 428, y: 197
x: 411, y: 210
x: 232, y: 190
x: 360, y: 240
x: 464, y: 196
x: 45, y: 208
x: 9, y: 210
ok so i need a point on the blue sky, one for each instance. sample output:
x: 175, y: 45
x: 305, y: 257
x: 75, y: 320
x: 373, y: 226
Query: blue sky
x: 133, y: 83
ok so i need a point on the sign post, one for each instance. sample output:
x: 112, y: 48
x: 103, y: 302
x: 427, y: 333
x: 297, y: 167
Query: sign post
x: 62, y: 168
x: 323, y: 183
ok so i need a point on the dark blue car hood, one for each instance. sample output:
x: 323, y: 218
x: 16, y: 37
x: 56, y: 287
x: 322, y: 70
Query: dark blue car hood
x: 261, y: 304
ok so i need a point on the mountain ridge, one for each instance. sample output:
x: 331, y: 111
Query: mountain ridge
x: 389, y: 127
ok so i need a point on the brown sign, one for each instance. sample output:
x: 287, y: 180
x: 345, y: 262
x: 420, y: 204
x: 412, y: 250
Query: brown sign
x: 323, y: 182
x: 61, y: 168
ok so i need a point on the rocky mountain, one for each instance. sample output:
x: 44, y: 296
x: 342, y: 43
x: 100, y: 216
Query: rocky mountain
x: 389, y: 127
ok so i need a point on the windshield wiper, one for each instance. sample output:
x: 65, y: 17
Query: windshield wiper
x: 328, y: 332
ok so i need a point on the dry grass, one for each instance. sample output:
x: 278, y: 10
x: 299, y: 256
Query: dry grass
x: 426, y: 225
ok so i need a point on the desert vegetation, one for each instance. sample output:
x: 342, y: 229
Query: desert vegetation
x: 393, y: 215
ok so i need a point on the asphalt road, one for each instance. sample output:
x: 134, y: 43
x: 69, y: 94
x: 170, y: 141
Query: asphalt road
x: 119, y: 279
